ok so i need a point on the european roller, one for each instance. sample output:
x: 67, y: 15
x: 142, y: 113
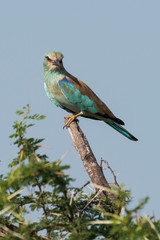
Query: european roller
x: 74, y: 96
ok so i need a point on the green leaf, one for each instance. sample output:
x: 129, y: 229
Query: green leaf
x: 19, y: 112
x: 37, y: 117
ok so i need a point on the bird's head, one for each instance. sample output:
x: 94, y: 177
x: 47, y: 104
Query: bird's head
x: 53, y: 61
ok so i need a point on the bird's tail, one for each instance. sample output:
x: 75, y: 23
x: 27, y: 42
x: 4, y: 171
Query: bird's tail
x: 121, y: 130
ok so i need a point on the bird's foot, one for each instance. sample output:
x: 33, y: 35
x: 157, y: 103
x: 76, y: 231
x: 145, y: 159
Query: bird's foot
x: 71, y: 118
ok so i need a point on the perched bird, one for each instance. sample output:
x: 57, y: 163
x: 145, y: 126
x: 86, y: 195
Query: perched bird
x: 74, y: 96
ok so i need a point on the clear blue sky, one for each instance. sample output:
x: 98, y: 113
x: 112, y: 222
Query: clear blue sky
x: 114, y: 47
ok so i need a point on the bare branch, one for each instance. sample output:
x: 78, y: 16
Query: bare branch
x: 89, y: 161
x: 108, y: 166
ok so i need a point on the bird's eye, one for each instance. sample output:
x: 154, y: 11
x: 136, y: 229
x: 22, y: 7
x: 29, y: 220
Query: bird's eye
x: 48, y: 59
x: 60, y: 61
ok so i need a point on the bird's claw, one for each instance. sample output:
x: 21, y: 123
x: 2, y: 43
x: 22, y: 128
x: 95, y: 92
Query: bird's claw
x: 69, y: 121
x: 71, y: 118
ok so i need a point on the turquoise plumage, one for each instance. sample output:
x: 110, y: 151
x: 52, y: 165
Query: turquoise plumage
x: 75, y: 96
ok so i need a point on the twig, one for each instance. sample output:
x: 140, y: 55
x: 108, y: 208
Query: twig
x: 81, y: 188
x: 60, y: 160
x: 74, y: 194
x: 108, y: 166
x: 43, y: 205
x: 38, y: 145
x: 37, y: 158
x: 31, y: 190
x: 61, y: 173
x: 42, y: 190
x: 98, y: 193
x: 71, y: 217
x: 71, y: 199
x: 21, y: 155
x: 138, y: 217
x: 154, y: 218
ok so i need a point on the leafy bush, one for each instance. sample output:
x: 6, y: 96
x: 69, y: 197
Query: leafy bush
x: 40, y: 190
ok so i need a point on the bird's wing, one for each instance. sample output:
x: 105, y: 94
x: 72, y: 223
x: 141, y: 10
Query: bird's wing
x: 74, y: 95
x: 81, y: 95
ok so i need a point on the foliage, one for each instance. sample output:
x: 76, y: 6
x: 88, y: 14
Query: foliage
x: 39, y: 190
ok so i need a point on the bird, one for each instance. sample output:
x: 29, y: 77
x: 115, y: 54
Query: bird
x: 74, y: 96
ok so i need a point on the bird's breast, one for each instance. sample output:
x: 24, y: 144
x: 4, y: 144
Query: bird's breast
x: 55, y: 91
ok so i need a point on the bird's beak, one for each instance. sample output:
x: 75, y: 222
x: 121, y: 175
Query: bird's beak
x: 56, y: 62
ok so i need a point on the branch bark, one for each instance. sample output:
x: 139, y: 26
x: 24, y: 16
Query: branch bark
x: 88, y: 159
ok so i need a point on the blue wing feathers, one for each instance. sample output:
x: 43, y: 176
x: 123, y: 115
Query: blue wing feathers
x: 75, y: 96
